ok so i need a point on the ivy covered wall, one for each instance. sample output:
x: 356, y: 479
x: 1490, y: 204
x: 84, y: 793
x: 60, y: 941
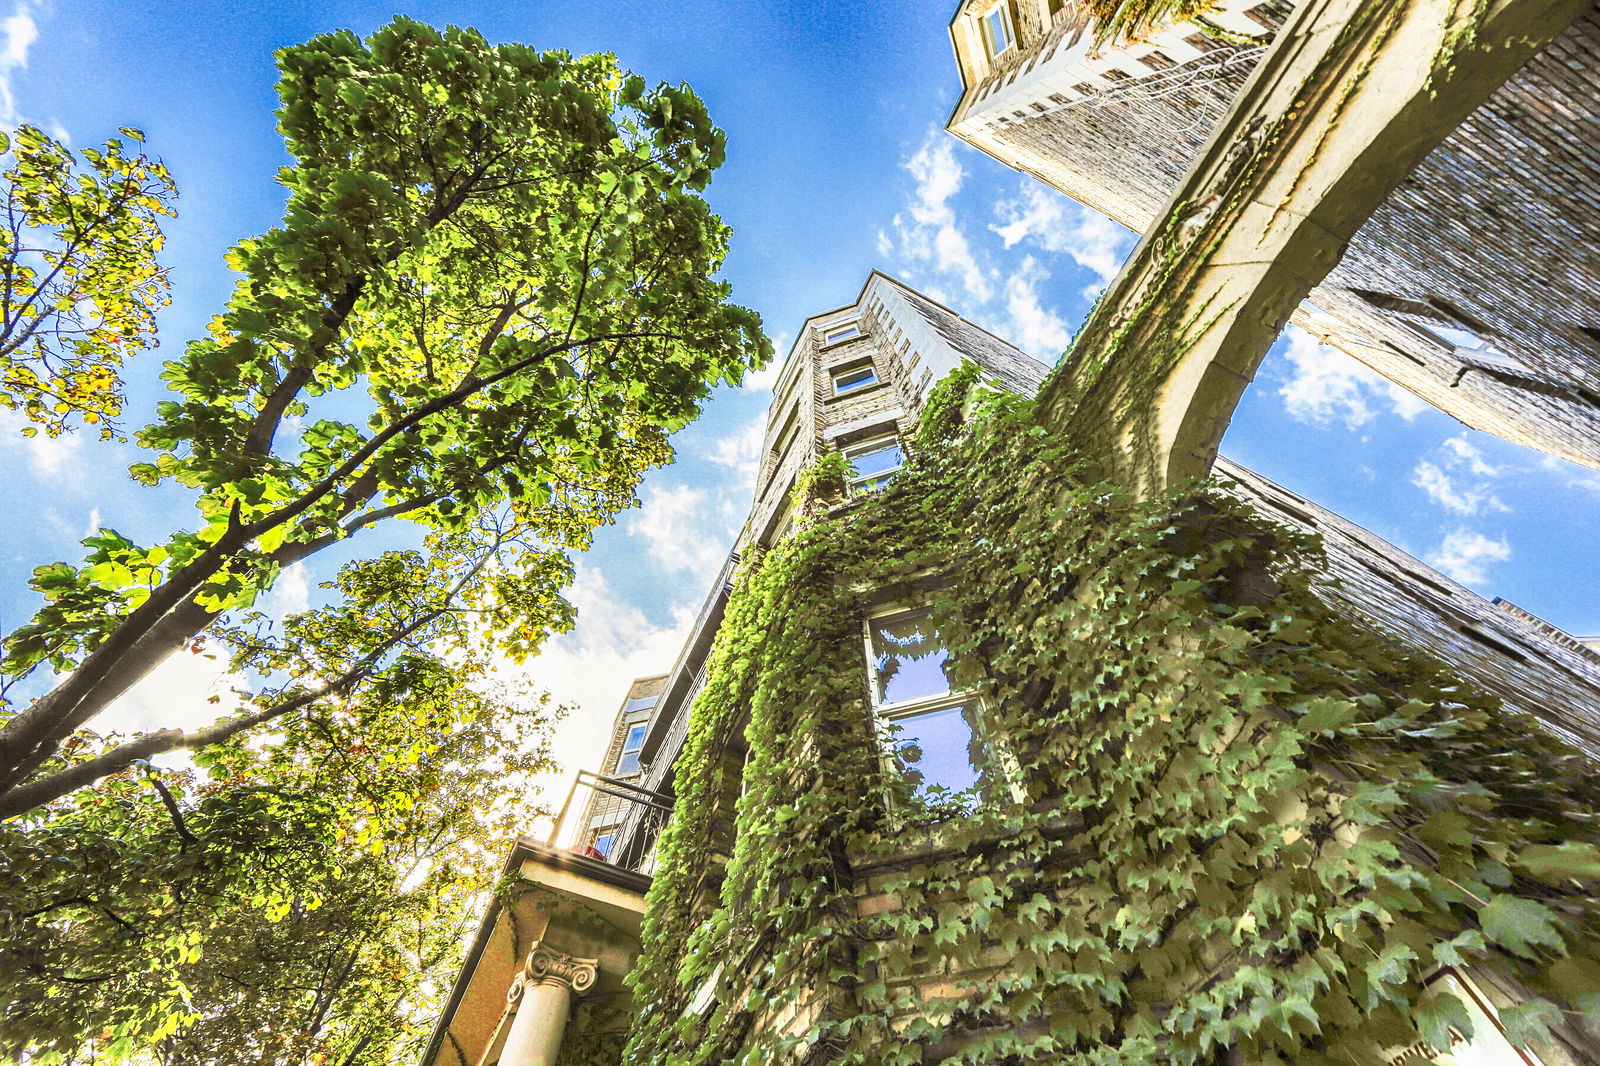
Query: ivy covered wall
x: 1219, y: 818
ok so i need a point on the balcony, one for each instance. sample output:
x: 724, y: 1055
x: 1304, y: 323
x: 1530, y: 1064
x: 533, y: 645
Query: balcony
x: 612, y: 821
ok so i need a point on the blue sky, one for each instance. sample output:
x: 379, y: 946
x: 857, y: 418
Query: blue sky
x: 837, y: 164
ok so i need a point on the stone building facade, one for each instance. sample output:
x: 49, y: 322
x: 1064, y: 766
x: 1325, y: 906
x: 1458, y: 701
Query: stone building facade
x: 1474, y: 286
x: 607, y: 802
x: 855, y: 382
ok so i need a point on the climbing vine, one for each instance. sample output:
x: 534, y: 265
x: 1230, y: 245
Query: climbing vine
x: 1227, y: 817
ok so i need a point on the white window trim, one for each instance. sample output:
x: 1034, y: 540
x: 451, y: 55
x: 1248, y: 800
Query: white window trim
x: 837, y: 374
x: 1482, y: 1009
x: 855, y: 484
x: 626, y: 751
x: 994, y: 748
x: 1003, y: 9
x: 850, y: 328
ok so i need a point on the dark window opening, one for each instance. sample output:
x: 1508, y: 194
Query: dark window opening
x: 1490, y: 642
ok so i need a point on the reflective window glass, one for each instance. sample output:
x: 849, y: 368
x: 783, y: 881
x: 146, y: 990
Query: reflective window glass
x: 939, y: 748
x: 908, y: 661
x: 850, y: 380
x: 629, y: 762
x: 875, y: 464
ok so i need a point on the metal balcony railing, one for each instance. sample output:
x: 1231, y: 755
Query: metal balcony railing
x: 611, y: 820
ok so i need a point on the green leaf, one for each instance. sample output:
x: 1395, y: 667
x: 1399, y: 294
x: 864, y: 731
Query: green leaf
x: 1327, y: 715
x: 1520, y: 925
x: 1436, y: 1015
x: 1555, y: 863
x: 1529, y: 1022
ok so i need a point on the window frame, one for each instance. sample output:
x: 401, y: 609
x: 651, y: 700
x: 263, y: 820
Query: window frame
x: 839, y: 332
x: 643, y: 729
x: 858, y: 484
x: 838, y: 374
x: 887, y: 713
x: 607, y: 833
x: 1001, y: 13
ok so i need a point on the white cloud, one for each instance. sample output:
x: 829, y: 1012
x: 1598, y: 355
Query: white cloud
x: 1408, y: 405
x: 929, y: 232
x: 1466, y: 555
x: 589, y: 669
x: 52, y: 458
x: 1464, y: 452
x: 17, y: 34
x: 1054, y: 223
x: 1451, y: 485
x: 1326, y: 387
x: 290, y: 594
x: 1445, y: 491
x: 1576, y: 477
x: 91, y: 528
x: 740, y: 451
x: 762, y: 380
x: 1034, y: 328
x: 175, y: 695
x: 671, y: 522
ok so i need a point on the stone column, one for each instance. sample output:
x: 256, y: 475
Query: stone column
x: 542, y: 993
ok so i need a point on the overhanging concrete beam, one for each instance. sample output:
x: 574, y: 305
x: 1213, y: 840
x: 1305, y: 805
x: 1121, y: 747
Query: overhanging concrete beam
x: 1351, y: 97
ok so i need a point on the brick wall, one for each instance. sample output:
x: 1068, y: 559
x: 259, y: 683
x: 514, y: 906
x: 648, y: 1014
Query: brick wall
x: 1500, y: 224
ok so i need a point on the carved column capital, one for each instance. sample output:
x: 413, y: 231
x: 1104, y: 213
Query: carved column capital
x: 547, y: 966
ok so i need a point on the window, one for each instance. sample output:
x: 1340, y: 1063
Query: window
x: 639, y: 703
x: 933, y: 728
x: 852, y: 378
x: 875, y: 463
x: 628, y: 762
x: 603, y: 839
x: 786, y: 435
x: 997, y: 36
x: 836, y: 334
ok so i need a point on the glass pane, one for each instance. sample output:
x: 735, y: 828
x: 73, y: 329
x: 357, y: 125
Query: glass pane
x: 841, y: 334
x: 639, y: 703
x: 603, y: 842
x: 854, y: 379
x: 635, y: 739
x: 880, y: 460
x: 1455, y: 336
x: 909, y: 661
x: 939, y: 748
x: 999, y: 32
x: 628, y: 764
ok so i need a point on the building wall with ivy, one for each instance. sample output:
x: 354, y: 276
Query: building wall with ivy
x: 1480, y: 302
x: 1255, y: 778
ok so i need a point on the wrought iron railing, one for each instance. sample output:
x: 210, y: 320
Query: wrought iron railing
x: 612, y: 820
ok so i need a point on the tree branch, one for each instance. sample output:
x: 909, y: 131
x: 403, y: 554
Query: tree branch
x: 173, y: 812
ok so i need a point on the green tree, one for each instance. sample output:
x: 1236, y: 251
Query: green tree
x: 79, y: 280
x: 492, y: 294
x: 287, y: 902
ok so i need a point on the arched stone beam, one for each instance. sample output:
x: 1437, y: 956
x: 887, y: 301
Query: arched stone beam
x: 1353, y: 94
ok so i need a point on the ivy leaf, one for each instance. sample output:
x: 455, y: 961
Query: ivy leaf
x: 1528, y: 1023
x: 1519, y: 925
x: 1327, y: 715
x: 1436, y: 1015
x: 1578, y: 980
x: 1449, y: 952
x: 1369, y: 803
x: 1555, y: 863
